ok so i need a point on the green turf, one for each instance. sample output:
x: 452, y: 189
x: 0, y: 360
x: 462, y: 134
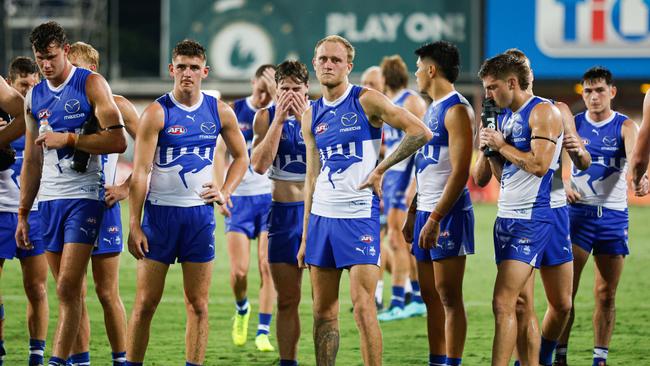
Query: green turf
x: 404, y: 341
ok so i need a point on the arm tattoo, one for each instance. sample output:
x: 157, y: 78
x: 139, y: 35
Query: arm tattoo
x: 326, y: 341
x: 408, y: 146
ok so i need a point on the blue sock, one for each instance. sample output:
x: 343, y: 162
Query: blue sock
x: 188, y: 363
x: 265, y: 324
x: 55, y: 361
x: 288, y: 363
x: 417, y: 297
x: 397, y: 300
x: 437, y: 360
x: 454, y: 361
x: 80, y: 358
x: 517, y: 363
x: 119, y: 358
x: 600, y: 355
x: 546, y: 352
x: 36, y: 351
x: 242, y: 306
x: 3, y: 353
x: 129, y: 363
x: 2, y: 311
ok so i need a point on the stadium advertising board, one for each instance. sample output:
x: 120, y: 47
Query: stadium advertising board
x: 243, y: 34
x: 565, y: 37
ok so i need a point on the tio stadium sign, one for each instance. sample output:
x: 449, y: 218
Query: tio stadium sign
x: 593, y: 28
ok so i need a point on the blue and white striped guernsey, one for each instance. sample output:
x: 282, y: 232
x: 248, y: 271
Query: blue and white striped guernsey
x: 349, y: 150
x: 183, y: 158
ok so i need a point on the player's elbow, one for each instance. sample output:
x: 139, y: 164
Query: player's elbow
x: 539, y: 171
x: 118, y: 144
x: 258, y: 165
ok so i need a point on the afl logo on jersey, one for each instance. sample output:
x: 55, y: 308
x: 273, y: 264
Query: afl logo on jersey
x: 208, y: 128
x: 321, y: 127
x: 113, y: 230
x: 366, y: 239
x: 349, y: 119
x: 44, y: 114
x: 176, y: 130
x: 72, y: 106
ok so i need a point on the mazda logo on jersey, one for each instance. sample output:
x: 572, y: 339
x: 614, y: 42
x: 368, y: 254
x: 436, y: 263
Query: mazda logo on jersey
x: 321, y: 127
x: 176, y: 130
x: 609, y: 141
x: 208, y: 127
x: 72, y: 106
x: 349, y: 119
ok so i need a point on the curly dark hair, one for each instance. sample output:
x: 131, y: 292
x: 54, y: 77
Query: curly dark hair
x: 445, y: 55
x: 190, y: 48
x: 22, y: 65
x: 47, y: 33
x: 597, y: 73
x: 503, y: 65
x: 292, y: 69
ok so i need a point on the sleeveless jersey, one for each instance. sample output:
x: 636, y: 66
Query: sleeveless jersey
x: 524, y: 195
x: 603, y: 183
x: 393, y: 136
x: 183, y: 158
x: 432, y: 164
x: 252, y: 184
x: 66, y: 108
x: 349, y: 150
x: 289, y: 163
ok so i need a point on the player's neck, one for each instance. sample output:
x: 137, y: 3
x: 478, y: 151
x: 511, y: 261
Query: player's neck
x: 333, y: 93
x: 439, y: 89
x: 187, y: 98
x: 520, y: 97
x: 600, y: 116
x: 55, y: 82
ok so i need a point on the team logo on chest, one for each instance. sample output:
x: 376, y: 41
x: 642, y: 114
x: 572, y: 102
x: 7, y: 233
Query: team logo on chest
x: 609, y: 141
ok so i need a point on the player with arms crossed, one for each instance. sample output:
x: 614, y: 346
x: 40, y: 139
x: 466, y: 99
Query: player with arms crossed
x: 71, y: 190
x: 342, y: 133
x: 176, y: 142
x: 279, y: 146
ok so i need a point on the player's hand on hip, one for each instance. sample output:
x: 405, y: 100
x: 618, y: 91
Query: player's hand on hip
x: 429, y: 235
x: 117, y: 193
x: 138, y: 244
x: 22, y: 235
x: 301, y: 254
x: 374, y: 182
x: 52, y: 140
x: 407, y: 229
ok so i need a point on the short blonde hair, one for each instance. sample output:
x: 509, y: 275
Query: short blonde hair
x: 85, y: 52
x: 338, y: 39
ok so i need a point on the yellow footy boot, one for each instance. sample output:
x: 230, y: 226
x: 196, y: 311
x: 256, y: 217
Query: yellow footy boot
x: 263, y: 343
x: 240, y: 328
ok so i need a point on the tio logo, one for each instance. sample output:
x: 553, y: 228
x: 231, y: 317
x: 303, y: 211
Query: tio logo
x: 593, y: 28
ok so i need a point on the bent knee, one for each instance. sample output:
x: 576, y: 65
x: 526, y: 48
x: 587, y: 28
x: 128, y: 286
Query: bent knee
x: 198, y: 307
x: 36, y: 292
x: 502, y: 307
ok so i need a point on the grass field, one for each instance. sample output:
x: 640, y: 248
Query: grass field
x: 404, y: 341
